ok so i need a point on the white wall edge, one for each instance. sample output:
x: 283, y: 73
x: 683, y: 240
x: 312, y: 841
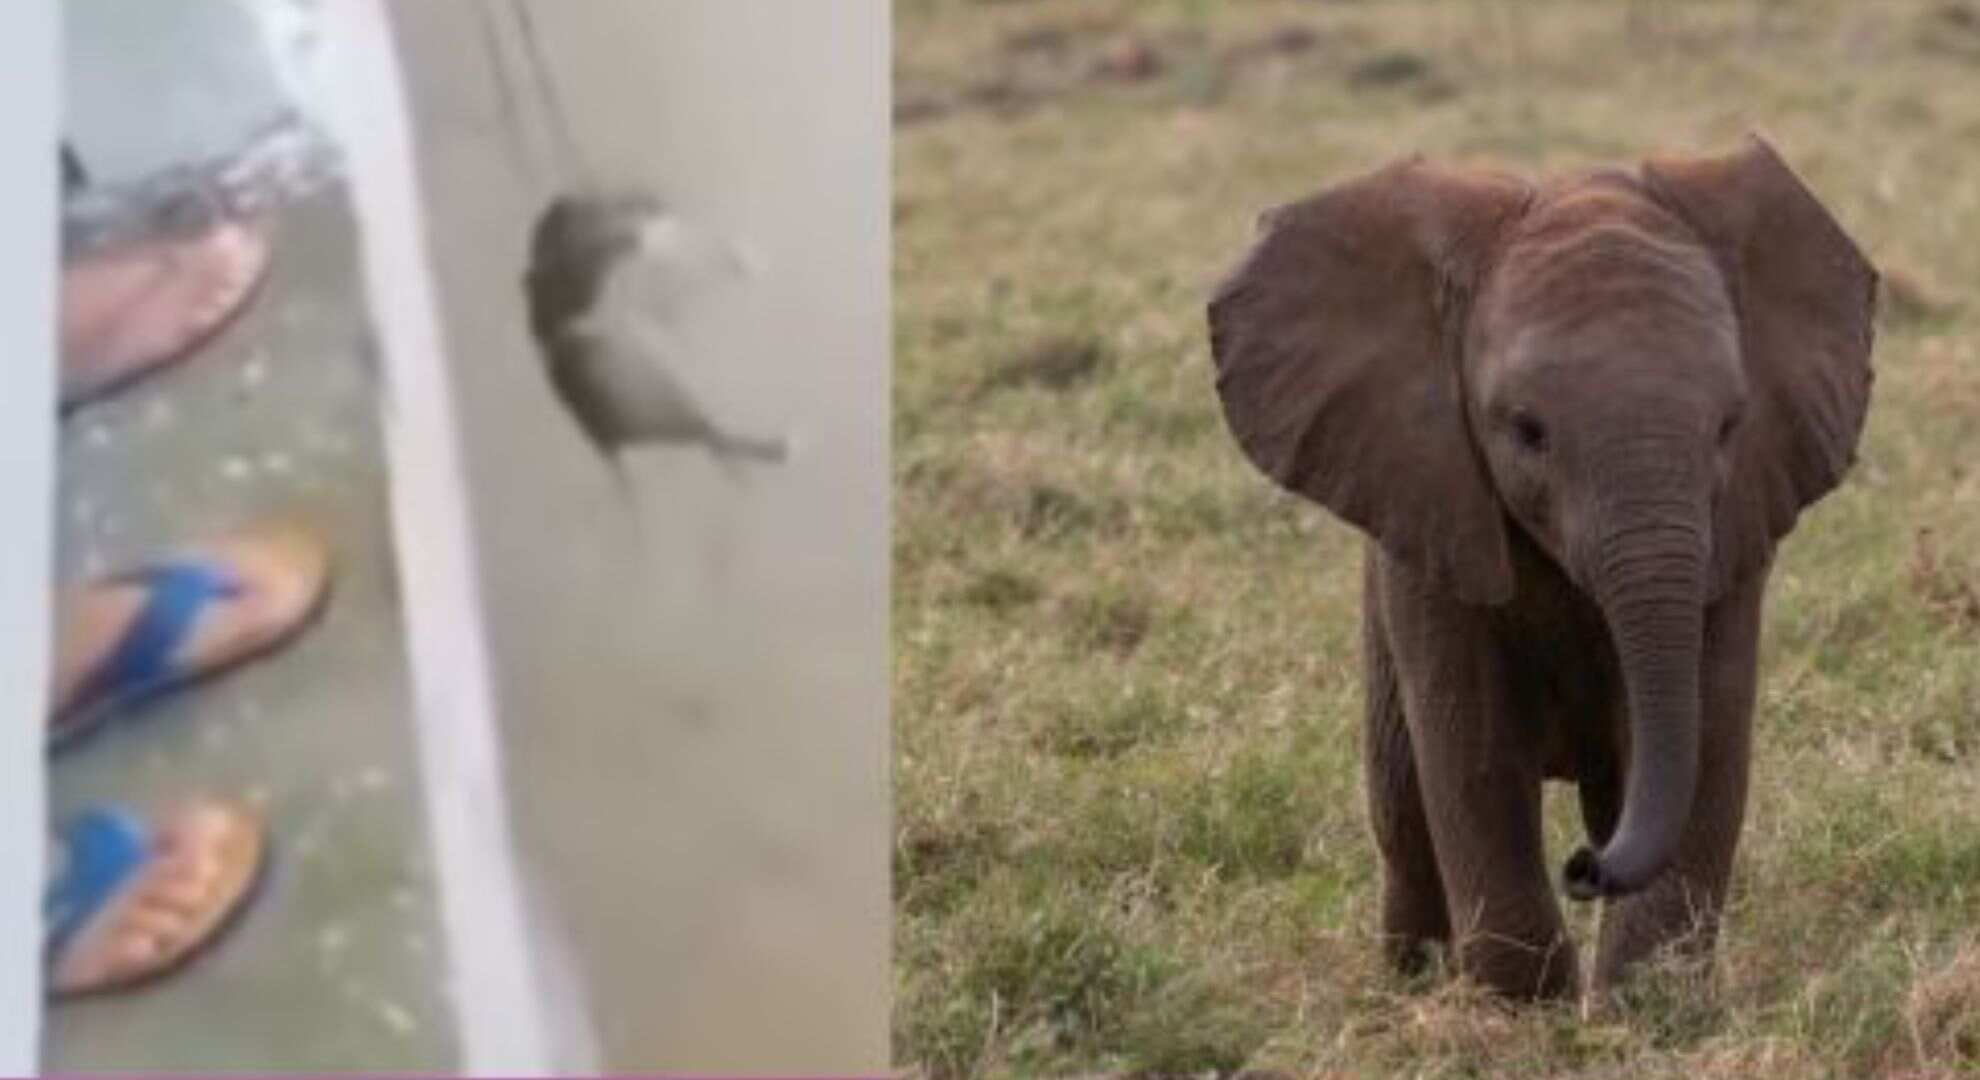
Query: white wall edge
x: 30, y: 53
x: 493, y: 977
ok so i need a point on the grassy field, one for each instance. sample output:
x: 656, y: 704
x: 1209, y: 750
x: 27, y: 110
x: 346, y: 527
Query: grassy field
x: 1130, y: 833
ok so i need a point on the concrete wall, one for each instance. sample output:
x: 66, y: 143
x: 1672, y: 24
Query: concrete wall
x: 694, y: 711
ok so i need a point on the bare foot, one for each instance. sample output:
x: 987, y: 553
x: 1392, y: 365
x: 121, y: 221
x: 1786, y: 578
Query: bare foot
x: 131, y: 307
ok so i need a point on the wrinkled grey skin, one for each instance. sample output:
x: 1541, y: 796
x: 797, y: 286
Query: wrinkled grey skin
x: 1573, y: 419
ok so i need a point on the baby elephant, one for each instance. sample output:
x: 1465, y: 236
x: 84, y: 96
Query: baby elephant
x: 1573, y: 419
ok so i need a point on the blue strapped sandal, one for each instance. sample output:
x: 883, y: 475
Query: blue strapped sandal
x: 202, y: 613
x: 132, y: 902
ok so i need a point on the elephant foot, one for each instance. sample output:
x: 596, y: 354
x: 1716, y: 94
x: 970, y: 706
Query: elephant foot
x: 1662, y: 984
x: 1672, y: 929
x: 1688, y: 962
x: 1520, y: 970
x: 1410, y: 956
x: 1414, y: 927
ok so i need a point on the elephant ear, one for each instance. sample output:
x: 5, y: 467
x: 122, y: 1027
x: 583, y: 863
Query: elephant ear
x: 1337, y: 346
x: 1806, y: 300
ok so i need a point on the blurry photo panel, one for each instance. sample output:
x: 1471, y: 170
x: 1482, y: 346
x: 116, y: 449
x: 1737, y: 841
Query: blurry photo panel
x: 461, y: 593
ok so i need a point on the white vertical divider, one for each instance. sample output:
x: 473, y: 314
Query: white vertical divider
x: 493, y: 977
x: 30, y: 54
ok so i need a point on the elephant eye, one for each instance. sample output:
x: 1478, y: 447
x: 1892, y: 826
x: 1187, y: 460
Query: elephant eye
x: 1726, y: 428
x: 1530, y: 433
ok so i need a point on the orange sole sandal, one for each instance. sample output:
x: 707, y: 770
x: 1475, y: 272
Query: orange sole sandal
x: 134, y: 901
x: 129, y: 638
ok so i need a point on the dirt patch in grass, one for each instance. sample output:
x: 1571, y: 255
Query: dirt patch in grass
x: 1401, y: 70
x: 1036, y: 64
x: 999, y: 590
x: 1107, y: 621
x: 1944, y: 586
x: 1055, y: 364
x: 1907, y: 300
x: 1942, y: 1013
x: 1111, y: 726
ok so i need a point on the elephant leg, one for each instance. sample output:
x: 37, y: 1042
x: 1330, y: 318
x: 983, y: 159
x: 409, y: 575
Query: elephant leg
x: 1479, y: 772
x: 1681, y: 908
x: 1413, y: 912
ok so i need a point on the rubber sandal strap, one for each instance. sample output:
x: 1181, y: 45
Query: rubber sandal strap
x: 104, y: 847
x: 142, y: 661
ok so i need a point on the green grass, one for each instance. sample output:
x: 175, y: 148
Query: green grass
x: 1130, y: 826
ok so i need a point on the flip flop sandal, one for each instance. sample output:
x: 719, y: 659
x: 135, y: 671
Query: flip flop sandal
x: 194, y: 286
x: 203, y: 613
x: 124, y: 909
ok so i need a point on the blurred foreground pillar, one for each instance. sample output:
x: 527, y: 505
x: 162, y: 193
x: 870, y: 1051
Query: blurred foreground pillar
x: 29, y: 48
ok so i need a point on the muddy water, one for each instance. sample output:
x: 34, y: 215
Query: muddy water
x: 693, y: 704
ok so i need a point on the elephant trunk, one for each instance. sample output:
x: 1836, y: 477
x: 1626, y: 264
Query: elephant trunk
x: 1650, y: 581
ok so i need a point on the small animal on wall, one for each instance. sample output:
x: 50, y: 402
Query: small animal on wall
x: 1573, y: 417
x: 606, y: 365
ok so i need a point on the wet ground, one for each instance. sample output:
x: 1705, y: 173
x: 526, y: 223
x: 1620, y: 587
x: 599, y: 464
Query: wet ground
x: 338, y: 963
